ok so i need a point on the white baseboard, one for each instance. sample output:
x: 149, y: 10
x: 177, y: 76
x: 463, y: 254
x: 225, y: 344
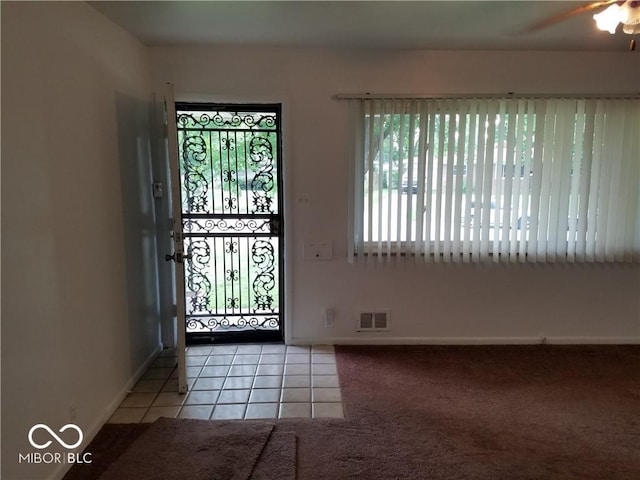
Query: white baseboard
x: 92, y: 431
x: 369, y: 340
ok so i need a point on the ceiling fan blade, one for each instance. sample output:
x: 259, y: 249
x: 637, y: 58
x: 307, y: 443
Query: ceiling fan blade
x: 568, y: 14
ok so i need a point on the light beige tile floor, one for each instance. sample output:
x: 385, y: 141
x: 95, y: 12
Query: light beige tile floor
x: 238, y: 382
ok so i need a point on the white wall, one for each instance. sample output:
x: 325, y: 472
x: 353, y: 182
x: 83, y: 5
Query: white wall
x: 461, y: 303
x: 79, y: 316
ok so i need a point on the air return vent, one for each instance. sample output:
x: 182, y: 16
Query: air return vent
x: 373, y: 321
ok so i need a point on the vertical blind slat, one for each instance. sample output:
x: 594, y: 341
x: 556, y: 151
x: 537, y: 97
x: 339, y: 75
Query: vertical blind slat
x: 499, y: 180
x: 594, y: 188
x: 378, y: 175
x: 411, y: 174
x: 519, y: 175
x: 479, y: 181
x: 526, y: 182
x: 401, y: 156
x: 584, y: 182
x: 574, y: 188
x: 438, y: 207
x: 430, y: 237
x: 448, y: 182
x: 421, y: 249
x: 504, y: 200
x: 558, y: 222
x: 459, y: 184
x: 387, y: 174
x: 472, y: 141
x: 369, y: 203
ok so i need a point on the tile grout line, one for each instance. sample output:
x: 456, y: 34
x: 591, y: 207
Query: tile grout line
x: 236, y: 356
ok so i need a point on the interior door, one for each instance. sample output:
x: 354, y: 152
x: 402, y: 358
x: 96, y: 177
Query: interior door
x: 232, y: 229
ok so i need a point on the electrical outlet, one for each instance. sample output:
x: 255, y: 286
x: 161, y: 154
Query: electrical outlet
x: 329, y: 317
x: 317, y: 250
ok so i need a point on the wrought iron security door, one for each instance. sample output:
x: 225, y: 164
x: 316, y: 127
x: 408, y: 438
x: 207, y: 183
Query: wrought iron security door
x: 230, y: 170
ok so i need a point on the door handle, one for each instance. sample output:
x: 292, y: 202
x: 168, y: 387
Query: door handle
x: 177, y: 257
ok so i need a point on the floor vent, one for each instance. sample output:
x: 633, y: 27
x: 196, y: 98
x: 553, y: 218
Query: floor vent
x: 373, y: 321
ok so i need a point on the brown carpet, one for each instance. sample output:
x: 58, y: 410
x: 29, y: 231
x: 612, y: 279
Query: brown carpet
x: 110, y: 442
x: 206, y: 450
x: 486, y: 413
x: 452, y: 413
x: 278, y: 459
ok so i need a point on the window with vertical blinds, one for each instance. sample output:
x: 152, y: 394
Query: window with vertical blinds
x: 496, y: 180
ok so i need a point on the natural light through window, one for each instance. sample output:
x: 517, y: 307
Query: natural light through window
x: 528, y: 179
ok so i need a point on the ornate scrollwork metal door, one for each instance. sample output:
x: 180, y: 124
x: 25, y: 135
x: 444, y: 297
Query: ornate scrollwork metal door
x: 229, y: 158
